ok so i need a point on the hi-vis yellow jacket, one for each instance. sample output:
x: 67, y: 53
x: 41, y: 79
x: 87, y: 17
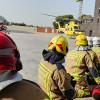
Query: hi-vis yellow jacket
x: 53, y: 81
x: 77, y: 62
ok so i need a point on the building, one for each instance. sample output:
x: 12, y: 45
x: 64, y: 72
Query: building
x: 92, y: 25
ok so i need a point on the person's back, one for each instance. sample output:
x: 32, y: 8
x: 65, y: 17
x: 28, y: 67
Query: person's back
x: 75, y: 62
x: 53, y: 73
x: 53, y: 78
x: 23, y: 90
x: 76, y: 65
x: 79, y: 63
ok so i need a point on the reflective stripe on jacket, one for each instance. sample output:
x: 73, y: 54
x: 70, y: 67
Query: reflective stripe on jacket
x: 44, y: 77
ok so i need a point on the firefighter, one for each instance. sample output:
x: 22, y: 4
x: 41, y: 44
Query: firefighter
x: 9, y: 57
x: 78, y: 64
x: 96, y: 46
x: 53, y: 78
x: 12, y: 84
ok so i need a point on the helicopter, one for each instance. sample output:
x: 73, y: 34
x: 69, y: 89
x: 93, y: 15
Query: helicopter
x: 70, y: 27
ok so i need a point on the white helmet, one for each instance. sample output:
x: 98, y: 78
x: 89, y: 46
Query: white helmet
x: 96, y: 41
x: 90, y: 41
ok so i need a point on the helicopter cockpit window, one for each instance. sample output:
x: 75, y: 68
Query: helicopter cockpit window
x: 76, y: 28
x: 62, y: 24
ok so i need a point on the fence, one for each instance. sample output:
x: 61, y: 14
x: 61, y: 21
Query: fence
x: 31, y: 29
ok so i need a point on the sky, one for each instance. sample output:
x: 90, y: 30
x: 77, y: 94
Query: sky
x: 31, y: 11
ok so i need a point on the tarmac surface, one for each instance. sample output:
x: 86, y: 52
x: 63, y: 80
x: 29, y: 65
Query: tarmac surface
x: 30, y: 47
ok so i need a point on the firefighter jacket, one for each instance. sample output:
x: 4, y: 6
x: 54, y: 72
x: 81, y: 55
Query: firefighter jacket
x: 54, y: 80
x: 79, y: 62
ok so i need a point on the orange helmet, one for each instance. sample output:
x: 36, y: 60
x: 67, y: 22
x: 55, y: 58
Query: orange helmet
x: 8, y: 49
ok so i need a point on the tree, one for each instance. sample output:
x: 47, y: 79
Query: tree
x: 84, y: 16
x: 19, y: 24
x: 62, y: 20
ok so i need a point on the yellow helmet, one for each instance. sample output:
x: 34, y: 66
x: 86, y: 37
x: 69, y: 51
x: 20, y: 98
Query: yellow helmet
x: 81, y: 40
x: 60, y: 43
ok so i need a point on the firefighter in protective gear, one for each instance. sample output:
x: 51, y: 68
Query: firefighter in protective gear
x: 8, y: 60
x: 78, y: 63
x: 96, y: 49
x: 52, y: 75
x: 12, y: 83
